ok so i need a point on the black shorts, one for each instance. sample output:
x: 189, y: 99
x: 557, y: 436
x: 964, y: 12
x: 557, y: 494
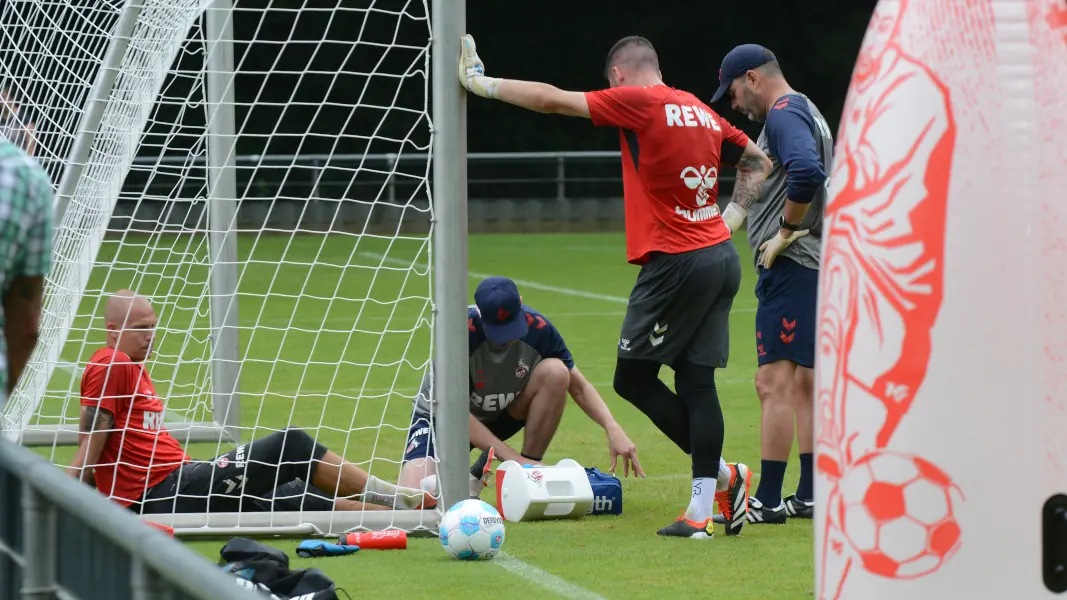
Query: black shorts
x: 270, y: 473
x: 788, y: 294
x: 679, y: 308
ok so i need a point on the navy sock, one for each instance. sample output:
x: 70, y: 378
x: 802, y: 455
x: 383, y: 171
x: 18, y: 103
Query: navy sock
x: 772, y: 474
x: 805, y: 487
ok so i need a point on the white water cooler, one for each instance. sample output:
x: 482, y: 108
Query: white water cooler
x: 543, y: 492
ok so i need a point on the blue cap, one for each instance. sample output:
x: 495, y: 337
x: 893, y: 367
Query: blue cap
x: 739, y: 61
x: 499, y: 303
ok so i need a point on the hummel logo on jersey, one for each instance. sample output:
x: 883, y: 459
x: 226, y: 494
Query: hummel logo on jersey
x: 702, y: 180
x: 657, y: 331
x: 689, y: 116
x: 704, y: 213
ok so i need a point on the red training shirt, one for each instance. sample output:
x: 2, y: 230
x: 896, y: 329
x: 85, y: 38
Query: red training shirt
x: 140, y: 452
x: 672, y: 149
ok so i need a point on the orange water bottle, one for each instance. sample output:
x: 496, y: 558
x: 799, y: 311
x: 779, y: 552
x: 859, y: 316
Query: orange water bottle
x: 393, y: 539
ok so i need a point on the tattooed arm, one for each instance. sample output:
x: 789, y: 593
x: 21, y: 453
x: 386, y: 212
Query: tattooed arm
x: 752, y: 170
x: 93, y: 430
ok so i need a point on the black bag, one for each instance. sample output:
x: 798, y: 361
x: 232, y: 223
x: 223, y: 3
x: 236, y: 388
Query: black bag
x: 266, y: 569
x: 253, y: 561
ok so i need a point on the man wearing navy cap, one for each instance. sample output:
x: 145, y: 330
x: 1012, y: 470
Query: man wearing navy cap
x: 520, y: 375
x: 784, y: 231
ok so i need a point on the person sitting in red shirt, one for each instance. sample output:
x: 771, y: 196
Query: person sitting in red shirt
x: 127, y: 452
x: 673, y: 147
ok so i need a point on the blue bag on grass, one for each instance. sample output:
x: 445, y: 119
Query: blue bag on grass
x: 607, y: 493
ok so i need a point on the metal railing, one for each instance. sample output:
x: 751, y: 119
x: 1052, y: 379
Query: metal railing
x: 60, y: 540
x: 491, y: 175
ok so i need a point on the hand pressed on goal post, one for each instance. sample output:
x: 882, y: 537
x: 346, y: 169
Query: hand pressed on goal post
x: 472, y: 70
x: 531, y: 95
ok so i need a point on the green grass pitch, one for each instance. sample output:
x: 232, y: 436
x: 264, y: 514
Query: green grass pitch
x: 324, y: 363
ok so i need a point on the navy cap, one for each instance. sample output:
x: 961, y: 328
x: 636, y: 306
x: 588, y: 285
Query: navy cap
x: 499, y: 303
x: 739, y: 61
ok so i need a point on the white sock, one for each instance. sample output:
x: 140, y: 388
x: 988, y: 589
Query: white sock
x: 702, y: 502
x: 429, y: 484
x: 388, y: 494
x: 379, y: 492
x: 723, y: 479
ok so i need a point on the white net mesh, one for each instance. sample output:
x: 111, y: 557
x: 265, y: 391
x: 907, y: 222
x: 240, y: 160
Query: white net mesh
x: 330, y: 215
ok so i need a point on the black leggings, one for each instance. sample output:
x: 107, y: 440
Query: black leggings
x: 691, y: 418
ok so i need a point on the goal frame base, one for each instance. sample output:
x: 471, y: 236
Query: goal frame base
x: 67, y: 435
x: 294, y: 523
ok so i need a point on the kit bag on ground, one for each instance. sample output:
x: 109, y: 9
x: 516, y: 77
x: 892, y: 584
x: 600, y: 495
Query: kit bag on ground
x: 266, y: 569
x: 607, y: 493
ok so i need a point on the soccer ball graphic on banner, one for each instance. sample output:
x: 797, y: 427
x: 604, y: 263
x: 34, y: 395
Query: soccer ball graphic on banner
x: 472, y: 530
x: 897, y: 512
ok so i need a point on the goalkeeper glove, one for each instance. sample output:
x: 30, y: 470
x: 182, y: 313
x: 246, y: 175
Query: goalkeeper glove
x: 770, y: 249
x: 315, y: 548
x: 734, y: 216
x: 472, y: 70
x: 480, y: 472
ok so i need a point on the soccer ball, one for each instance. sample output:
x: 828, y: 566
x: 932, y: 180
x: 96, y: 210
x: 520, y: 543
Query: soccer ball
x: 896, y: 512
x: 472, y: 530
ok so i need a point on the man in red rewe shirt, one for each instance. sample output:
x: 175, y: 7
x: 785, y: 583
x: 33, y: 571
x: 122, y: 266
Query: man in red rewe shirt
x: 127, y: 452
x: 673, y: 146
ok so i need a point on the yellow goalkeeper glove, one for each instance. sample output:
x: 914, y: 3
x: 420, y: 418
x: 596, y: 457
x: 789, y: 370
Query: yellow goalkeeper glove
x: 472, y: 70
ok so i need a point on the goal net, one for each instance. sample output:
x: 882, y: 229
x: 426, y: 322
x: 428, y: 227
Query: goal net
x: 260, y: 171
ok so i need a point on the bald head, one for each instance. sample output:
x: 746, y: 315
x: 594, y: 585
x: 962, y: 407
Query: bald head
x: 126, y: 306
x: 630, y: 57
x: 131, y: 324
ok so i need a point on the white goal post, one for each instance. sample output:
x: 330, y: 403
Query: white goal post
x: 230, y: 160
